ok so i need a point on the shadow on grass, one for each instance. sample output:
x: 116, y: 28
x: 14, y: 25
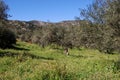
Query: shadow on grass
x: 81, y: 56
x: 15, y: 48
x: 77, y: 56
x: 18, y: 48
x: 24, y: 54
x: 117, y: 66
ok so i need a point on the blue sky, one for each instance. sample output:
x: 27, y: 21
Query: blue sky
x: 45, y: 10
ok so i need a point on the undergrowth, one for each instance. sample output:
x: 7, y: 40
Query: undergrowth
x: 32, y: 62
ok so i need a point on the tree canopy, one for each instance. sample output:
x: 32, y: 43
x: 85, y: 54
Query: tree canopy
x: 3, y: 10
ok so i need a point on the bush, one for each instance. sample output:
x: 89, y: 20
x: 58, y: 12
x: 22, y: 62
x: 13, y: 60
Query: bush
x: 7, y: 38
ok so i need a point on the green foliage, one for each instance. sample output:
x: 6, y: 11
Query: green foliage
x: 106, y: 15
x: 7, y: 38
x: 112, y: 16
x: 52, y: 64
x: 87, y: 34
x: 48, y: 35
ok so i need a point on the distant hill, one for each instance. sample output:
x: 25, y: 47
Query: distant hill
x: 35, y: 23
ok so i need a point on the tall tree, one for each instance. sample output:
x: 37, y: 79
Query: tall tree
x: 3, y: 10
x: 7, y: 37
x: 103, y: 11
x: 112, y: 15
x: 106, y: 14
x: 95, y: 11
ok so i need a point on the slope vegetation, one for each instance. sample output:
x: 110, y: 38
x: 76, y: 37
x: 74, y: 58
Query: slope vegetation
x: 30, y: 62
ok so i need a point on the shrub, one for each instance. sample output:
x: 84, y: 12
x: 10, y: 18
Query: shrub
x: 7, y: 38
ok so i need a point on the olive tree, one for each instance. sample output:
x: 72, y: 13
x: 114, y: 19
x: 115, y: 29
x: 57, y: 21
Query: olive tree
x: 7, y: 37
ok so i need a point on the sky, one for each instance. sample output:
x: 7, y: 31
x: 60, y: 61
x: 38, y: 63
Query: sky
x: 45, y: 10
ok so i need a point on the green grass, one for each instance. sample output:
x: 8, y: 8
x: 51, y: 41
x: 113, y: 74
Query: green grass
x: 31, y: 62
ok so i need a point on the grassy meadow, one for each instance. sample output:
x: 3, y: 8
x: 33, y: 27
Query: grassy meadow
x: 31, y: 62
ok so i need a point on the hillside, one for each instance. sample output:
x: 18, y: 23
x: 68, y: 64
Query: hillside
x: 27, y: 26
x: 87, y: 48
x: 35, y: 23
x: 71, y: 33
x: 31, y: 62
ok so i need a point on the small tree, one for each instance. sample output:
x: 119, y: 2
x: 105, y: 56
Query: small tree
x: 7, y: 38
